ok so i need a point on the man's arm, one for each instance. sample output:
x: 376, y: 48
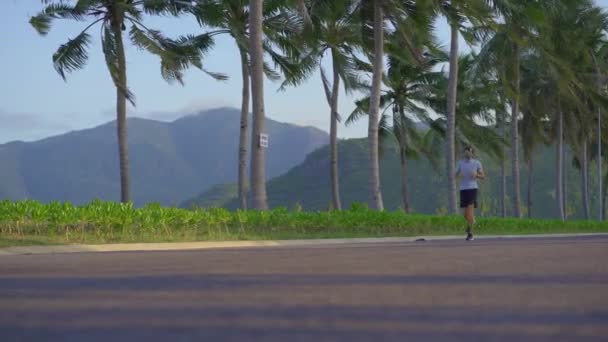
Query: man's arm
x: 480, y: 173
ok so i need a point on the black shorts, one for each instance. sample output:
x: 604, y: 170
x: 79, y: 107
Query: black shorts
x: 468, y: 197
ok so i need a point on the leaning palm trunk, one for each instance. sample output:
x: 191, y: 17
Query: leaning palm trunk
x: 451, y: 121
x: 585, y: 178
x: 242, y: 181
x: 121, y: 112
x: 530, y: 179
x: 560, y: 164
x: 333, y: 137
x: 258, y: 157
x: 374, y: 114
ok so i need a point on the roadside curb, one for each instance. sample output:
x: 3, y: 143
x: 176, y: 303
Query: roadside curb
x: 176, y: 246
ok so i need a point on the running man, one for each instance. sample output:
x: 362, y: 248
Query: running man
x: 469, y: 170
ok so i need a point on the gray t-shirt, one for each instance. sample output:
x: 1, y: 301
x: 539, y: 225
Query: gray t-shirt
x: 467, y: 168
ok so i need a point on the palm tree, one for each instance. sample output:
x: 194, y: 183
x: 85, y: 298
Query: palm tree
x: 457, y: 12
x: 479, y: 100
x: 535, y: 94
x: 570, y: 55
x: 375, y: 14
x: 501, y: 51
x: 374, y: 108
x: 408, y: 89
x: 501, y: 125
x: 335, y: 34
x: 258, y: 156
x: 114, y: 17
x: 231, y: 17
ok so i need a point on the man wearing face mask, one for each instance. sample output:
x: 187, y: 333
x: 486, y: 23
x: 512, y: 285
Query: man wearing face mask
x: 470, y: 170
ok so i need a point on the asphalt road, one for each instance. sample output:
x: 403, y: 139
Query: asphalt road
x: 486, y: 290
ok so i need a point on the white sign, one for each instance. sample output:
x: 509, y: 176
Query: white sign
x: 264, y: 140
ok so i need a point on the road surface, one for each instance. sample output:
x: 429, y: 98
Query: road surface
x: 549, y: 289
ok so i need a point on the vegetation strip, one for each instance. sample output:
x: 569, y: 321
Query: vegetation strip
x: 34, y: 223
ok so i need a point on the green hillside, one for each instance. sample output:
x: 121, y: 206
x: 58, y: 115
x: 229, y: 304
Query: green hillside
x: 307, y: 184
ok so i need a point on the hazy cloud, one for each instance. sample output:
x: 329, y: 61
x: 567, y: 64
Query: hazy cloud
x: 30, y: 126
x: 169, y: 115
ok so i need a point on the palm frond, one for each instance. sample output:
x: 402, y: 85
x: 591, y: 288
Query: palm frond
x: 108, y: 44
x: 361, y: 110
x: 384, y: 133
x: 166, y: 7
x: 270, y: 73
x: 307, y: 64
x: 72, y: 55
x: 42, y: 21
x: 326, y: 86
x: 210, y: 13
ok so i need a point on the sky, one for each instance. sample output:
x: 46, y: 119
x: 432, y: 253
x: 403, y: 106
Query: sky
x: 35, y: 102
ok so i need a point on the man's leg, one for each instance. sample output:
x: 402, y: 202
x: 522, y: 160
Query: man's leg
x: 471, y: 215
x: 470, y: 221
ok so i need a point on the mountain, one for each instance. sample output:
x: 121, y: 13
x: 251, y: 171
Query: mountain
x: 307, y: 184
x: 170, y: 161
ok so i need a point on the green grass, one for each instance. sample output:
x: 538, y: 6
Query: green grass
x: 33, y: 223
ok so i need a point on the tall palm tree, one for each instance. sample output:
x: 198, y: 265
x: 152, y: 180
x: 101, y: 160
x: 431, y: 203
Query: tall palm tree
x: 376, y: 14
x: 502, y: 47
x: 258, y: 156
x: 231, y: 17
x: 534, y: 103
x: 457, y: 12
x: 574, y: 76
x: 114, y: 17
x: 409, y: 86
x: 335, y: 34
x: 374, y: 108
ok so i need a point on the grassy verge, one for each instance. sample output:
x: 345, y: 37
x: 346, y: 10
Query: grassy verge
x: 33, y: 223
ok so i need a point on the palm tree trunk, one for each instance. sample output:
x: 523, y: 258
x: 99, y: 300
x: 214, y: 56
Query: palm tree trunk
x: 242, y: 182
x: 121, y: 111
x: 565, y: 179
x: 503, y: 189
x: 515, y: 140
x: 404, y: 190
x: 374, y: 115
x: 560, y: 164
x: 605, y: 199
x: 258, y: 155
x: 399, y: 124
x: 588, y: 176
x: 515, y: 159
x: 600, y: 85
x: 503, y: 172
x: 451, y: 121
x: 333, y: 136
x: 602, y: 204
x: 530, y: 178
x: 585, y: 178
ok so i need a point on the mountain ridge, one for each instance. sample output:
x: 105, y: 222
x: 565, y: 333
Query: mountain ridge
x: 168, y: 160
